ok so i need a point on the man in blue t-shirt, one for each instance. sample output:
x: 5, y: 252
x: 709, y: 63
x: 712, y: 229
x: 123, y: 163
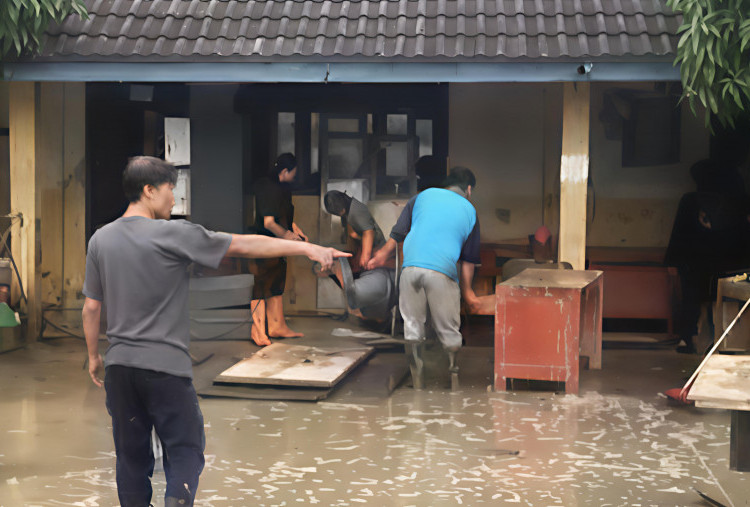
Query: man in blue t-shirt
x: 440, y: 232
x: 137, y: 265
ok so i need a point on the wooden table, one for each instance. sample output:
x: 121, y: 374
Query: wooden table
x: 545, y: 319
x: 724, y: 383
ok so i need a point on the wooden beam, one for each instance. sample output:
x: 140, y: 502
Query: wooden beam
x: 574, y: 173
x: 24, y: 199
x: 74, y: 194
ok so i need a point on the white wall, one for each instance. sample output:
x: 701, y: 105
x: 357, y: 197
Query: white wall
x: 635, y: 206
x: 509, y: 133
x: 496, y: 131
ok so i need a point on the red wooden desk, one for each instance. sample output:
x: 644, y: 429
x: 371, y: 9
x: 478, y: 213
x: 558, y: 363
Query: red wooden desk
x: 545, y: 319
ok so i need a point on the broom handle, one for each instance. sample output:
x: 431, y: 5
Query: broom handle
x: 716, y: 345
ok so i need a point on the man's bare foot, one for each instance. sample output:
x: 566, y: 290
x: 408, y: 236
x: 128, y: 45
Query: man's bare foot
x: 285, y: 333
x: 259, y: 338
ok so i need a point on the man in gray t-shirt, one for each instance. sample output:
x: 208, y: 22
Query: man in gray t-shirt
x: 355, y: 214
x: 372, y: 292
x: 137, y: 265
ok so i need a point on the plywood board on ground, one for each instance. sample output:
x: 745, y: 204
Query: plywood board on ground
x: 724, y: 382
x: 259, y: 392
x: 296, y: 365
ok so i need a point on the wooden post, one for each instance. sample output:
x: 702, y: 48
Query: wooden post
x: 74, y: 194
x: 49, y: 188
x: 574, y: 173
x: 25, y: 200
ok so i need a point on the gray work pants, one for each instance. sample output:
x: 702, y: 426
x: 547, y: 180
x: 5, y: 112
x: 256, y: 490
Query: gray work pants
x: 420, y: 289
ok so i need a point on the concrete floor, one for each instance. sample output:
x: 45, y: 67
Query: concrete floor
x: 617, y: 443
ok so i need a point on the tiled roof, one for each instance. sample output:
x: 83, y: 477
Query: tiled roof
x: 363, y: 30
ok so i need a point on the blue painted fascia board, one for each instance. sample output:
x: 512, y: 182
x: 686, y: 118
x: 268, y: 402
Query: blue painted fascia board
x: 338, y: 72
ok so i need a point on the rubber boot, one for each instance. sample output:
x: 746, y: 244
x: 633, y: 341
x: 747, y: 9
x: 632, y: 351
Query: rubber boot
x: 453, y: 369
x: 171, y: 501
x: 415, y: 354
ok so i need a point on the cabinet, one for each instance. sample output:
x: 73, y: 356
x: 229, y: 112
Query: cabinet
x: 544, y: 320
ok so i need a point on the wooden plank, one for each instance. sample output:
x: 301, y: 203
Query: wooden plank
x: 574, y: 172
x: 255, y: 392
x: 74, y: 194
x: 49, y: 181
x: 723, y: 383
x: 24, y: 199
x: 295, y: 365
x: 558, y: 278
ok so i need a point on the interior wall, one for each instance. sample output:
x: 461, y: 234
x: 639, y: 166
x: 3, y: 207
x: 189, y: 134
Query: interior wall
x: 496, y: 130
x: 216, y: 158
x: 635, y: 206
x: 509, y: 133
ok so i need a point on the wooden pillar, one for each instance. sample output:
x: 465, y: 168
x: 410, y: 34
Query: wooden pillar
x: 24, y: 199
x: 47, y: 187
x: 574, y: 173
x: 50, y: 188
x: 74, y: 194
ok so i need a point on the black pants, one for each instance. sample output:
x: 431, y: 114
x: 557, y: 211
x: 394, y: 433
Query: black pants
x: 138, y: 400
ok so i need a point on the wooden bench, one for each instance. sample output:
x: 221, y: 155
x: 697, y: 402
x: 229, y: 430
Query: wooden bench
x: 636, y: 283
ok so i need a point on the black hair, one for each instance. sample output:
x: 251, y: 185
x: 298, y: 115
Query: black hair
x: 285, y: 161
x: 430, y: 171
x: 335, y: 201
x: 460, y: 177
x: 142, y: 171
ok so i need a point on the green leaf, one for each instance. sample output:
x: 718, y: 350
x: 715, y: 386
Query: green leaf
x: 744, y: 42
x: 710, y: 52
x: 36, y: 5
x: 49, y: 8
x: 737, y: 99
x: 696, y: 42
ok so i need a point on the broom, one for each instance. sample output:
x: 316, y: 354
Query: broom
x: 680, y: 395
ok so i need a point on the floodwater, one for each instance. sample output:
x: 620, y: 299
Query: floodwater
x: 619, y: 442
